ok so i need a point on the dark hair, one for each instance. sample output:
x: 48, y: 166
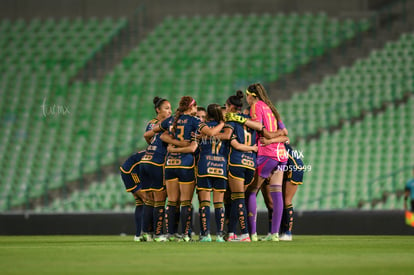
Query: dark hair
x: 214, y: 112
x: 236, y: 100
x: 261, y: 93
x: 199, y: 108
x: 158, y: 101
x: 185, y: 103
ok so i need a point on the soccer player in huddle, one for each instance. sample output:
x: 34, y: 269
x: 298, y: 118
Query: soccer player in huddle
x: 208, y: 177
x: 152, y: 173
x: 271, y: 159
x: 129, y: 174
x: 212, y: 172
x: 242, y: 165
x: 179, y: 168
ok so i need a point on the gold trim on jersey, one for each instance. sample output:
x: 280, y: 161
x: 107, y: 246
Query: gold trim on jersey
x: 130, y: 189
x: 212, y: 175
x: 234, y: 177
x: 296, y: 182
x: 153, y: 163
x: 130, y: 170
x: 181, y: 167
x: 187, y: 182
x: 204, y: 189
x: 242, y: 166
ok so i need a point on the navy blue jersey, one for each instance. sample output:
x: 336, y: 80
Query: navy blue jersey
x: 185, y: 130
x: 213, y: 155
x: 166, y: 124
x: 157, y: 149
x: 243, y: 135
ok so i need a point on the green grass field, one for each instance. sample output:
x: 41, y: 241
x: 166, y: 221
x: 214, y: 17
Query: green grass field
x: 119, y: 254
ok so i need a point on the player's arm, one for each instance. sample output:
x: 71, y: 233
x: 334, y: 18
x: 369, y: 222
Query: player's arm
x: 243, y: 147
x: 148, y: 135
x: 267, y: 141
x: 167, y: 138
x: 225, y: 134
x: 205, y: 130
x: 256, y: 125
x: 187, y: 149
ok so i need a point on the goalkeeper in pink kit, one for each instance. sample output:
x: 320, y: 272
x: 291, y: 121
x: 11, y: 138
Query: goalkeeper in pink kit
x: 271, y: 159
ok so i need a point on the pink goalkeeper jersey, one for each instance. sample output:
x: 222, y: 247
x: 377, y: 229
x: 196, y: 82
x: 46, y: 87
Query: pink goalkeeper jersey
x: 262, y: 113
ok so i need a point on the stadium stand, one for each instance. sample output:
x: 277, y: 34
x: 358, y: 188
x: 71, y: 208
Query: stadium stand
x: 208, y: 58
x: 350, y: 174
x: 37, y: 107
x: 42, y: 56
x: 354, y: 89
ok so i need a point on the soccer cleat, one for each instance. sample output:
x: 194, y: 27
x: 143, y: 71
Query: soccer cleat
x: 137, y: 238
x: 146, y: 237
x: 245, y: 238
x: 232, y: 238
x: 160, y: 238
x: 266, y: 238
x: 186, y: 239
x: 220, y: 239
x: 275, y: 237
x: 174, y: 237
x: 205, y: 239
x: 286, y: 237
x: 254, y: 237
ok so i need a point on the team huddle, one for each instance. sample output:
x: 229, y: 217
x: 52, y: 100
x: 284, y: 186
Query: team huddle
x: 226, y: 151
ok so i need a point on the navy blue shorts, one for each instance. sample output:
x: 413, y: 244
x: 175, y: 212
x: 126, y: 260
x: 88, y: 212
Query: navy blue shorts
x: 131, y: 181
x: 295, y: 171
x: 130, y: 172
x: 241, y: 173
x: 151, y: 177
x: 184, y: 176
x: 211, y: 183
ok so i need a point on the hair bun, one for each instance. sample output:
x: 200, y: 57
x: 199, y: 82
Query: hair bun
x: 156, y: 100
x: 239, y: 94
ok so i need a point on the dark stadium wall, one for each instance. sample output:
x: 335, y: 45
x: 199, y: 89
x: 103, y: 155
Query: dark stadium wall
x: 158, y: 9
x: 306, y: 223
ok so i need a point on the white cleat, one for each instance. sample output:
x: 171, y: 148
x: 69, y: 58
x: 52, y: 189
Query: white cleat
x: 286, y: 237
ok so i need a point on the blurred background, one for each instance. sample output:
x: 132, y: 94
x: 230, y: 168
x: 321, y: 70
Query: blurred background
x: 77, y: 79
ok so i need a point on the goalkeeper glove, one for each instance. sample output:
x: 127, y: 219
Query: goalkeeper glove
x: 235, y: 117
